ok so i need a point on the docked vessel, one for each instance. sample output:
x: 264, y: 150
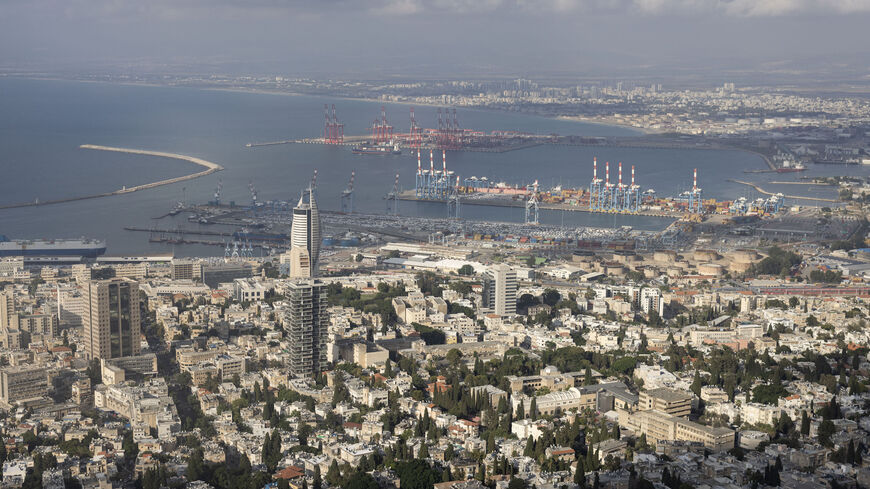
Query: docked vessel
x: 789, y: 166
x: 90, y: 248
x: 367, y: 149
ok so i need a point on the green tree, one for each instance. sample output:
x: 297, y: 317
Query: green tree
x: 195, y: 468
x: 805, y: 424
x: 517, y: 483
x: 696, y: 384
x: 580, y: 475
x: 333, y: 475
x: 360, y: 480
x: 318, y: 481
x: 826, y: 430
x: 550, y: 297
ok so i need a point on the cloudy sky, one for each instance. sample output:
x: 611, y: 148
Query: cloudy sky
x: 446, y: 38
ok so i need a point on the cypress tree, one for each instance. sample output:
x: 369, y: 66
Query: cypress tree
x: 318, y: 481
x: 580, y: 475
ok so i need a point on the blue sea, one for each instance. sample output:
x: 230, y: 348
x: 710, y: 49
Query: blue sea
x: 43, y: 122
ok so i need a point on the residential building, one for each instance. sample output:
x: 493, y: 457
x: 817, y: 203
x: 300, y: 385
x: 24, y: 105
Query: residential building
x: 670, y: 401
x: 22, y: 383
x: 500, y: 290
x: 307, y: 321
x: 111, y: 320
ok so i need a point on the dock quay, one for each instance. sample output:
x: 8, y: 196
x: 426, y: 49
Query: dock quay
x: 799, y: 197
x: 409, y: 196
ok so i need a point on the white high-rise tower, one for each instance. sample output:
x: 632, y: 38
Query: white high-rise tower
x: 305, y: 237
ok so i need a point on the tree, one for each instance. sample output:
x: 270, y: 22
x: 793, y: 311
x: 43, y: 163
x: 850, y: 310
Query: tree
x: 360, y: 480
x: 424, y: 452
x: 131, y: 448
x: 466, y: 270
x: 448, y: 453
x: 416, y: 474
x: 580, y: 475
x: 768, y: 394
x: 517, y: 483
x: 318, y: 481
x: 333, y: 475
x: 805, y: 424
x: 195, y: 469
x: 551, y: 297
x: 826, y: 430
x: 533, y: 409
x: 696, y: 384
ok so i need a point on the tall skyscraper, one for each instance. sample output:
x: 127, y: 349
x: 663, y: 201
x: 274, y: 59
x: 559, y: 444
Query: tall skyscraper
x: 306, y: 321
x: 305, y: 235
x: 111, y: 318
x: 500, y: 289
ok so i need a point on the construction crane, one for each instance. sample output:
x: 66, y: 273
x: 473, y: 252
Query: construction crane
x: 416, y: 134
x: 347, y: 196
x: 453, y: 201
x: 217, y: 193
x: 393, y: 198
x: 532, y: 206
x: 253, y: 194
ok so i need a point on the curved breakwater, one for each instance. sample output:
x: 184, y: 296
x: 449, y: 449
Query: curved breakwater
x: 209, y: 166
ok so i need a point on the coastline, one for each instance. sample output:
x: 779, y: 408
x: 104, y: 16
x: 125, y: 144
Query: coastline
x: 210, y: 167
x: 256, y: 91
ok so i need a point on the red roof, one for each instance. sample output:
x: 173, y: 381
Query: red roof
x: 290, y: 472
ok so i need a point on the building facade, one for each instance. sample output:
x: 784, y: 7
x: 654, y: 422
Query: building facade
x: 306, y: 320
x: 305, y: 235
x: 111, y: 319
x: 22, y: 383
x: 500, y: 290
x: 670, y: 401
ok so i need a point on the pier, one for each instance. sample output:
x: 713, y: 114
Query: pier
x: 765, y: 192
x: 209, y: 166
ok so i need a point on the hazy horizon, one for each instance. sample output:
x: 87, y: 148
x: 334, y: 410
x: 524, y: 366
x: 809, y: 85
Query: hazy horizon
x: 771, y: 40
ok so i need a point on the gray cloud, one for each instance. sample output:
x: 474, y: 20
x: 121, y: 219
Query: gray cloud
x: 435, y: 37
x: 176, y: 9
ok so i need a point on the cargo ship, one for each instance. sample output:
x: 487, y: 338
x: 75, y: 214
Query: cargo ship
x: 367, y: 149
x: 89, y: 248
x: 789, y: 167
